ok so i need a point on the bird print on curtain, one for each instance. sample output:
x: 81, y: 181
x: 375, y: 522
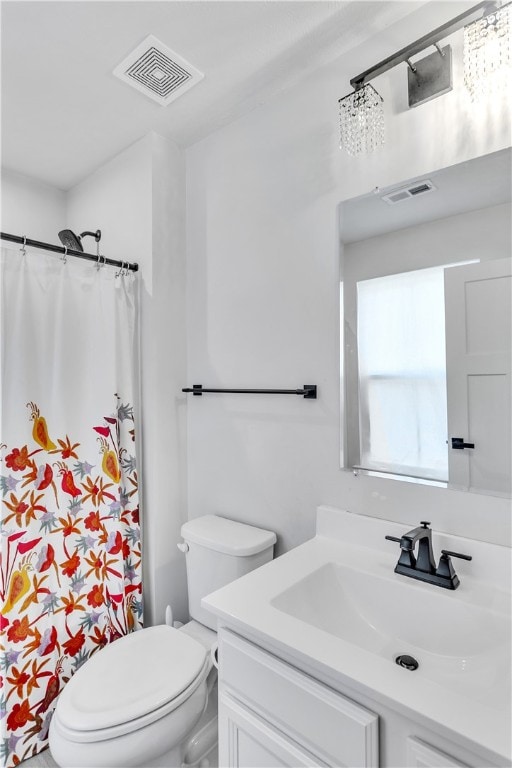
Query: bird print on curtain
x: 70, y: 569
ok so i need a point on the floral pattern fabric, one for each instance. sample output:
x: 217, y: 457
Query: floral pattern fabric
x: 70, y: 568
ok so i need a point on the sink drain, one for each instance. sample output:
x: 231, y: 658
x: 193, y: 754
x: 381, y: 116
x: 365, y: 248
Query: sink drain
x: 407, y: 662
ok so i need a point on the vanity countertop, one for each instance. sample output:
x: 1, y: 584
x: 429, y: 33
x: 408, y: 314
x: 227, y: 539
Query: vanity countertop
x: 335, y: 607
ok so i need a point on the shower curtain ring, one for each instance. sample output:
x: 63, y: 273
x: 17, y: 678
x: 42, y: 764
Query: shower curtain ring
x: 64, y: 257
x: 24, y: 246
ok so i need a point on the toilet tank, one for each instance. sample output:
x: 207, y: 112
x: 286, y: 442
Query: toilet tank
x: 219, y: 551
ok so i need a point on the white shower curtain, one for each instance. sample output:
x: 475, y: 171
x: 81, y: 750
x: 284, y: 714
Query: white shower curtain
x: 70, y: 572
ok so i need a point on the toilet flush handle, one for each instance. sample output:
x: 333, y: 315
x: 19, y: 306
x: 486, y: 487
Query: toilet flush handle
x: 183, y: 546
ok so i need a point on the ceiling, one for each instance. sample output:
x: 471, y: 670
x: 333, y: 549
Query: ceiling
x: 64, y: 113
x: 478, y: 183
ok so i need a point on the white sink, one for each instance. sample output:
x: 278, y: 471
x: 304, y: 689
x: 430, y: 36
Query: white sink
x: 459, y: 645
x: 336, y: 606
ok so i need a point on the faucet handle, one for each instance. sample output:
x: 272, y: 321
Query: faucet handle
x: 445, y: 568
x: 424, y: 523
x: 456, y: 554
x: 407, y: 558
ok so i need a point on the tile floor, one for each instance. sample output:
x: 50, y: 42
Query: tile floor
x: 42, y: 760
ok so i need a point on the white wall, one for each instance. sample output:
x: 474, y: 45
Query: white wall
x: 480, y: 234
x: 30, y: 208
x: 117, y: 199
x: 262, y: 296
x: 164, y: 373
x: 137, y: 200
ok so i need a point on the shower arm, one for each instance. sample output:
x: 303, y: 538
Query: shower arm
x: 96, y: 235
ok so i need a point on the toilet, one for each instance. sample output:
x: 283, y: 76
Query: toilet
x: 149, y: 698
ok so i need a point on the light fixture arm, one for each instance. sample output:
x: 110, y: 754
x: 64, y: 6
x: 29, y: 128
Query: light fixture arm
x: 432, y: 38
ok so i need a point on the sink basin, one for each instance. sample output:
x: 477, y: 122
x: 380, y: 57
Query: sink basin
x: 335, y: 608
x: 458, y: 645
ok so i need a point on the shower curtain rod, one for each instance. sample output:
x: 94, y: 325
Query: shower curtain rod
x: 132, y: 267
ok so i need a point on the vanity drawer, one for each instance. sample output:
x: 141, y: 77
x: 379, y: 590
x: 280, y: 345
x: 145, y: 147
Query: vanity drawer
x: 319, y: 719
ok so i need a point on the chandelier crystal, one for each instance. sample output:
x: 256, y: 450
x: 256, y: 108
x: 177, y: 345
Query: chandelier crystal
x: 361, y: 121
x: 487, y: 53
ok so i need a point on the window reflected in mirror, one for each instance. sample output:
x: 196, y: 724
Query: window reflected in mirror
x: 402, y: 374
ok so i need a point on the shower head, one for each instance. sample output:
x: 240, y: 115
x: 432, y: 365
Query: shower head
x: 70, y: 240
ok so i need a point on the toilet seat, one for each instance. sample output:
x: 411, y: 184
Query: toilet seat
x: 131, y: 683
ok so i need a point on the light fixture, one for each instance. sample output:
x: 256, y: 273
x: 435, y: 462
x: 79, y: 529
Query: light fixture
x: 361, y: 112
x: 362, y: 120
x: 487, y: 51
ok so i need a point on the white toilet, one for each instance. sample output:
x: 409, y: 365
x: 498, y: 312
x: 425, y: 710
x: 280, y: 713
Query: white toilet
x: 140, y: 700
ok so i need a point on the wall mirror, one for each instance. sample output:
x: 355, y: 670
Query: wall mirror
x: 425, y: 296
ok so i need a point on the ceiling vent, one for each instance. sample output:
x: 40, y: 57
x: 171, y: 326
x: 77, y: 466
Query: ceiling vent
x: 153, y: 69
x: 405, y: 193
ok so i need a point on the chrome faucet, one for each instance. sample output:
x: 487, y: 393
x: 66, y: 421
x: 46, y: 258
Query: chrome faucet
x: 423, y: 565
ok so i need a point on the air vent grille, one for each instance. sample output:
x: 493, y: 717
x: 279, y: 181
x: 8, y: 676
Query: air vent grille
x: 158, y: 73
x: 405, y: 193
x: 153, y: 69
x: 419, y: 190
x: 396, y: 197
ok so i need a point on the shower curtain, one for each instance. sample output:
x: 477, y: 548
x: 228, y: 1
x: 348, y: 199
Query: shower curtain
x: 70, y: 569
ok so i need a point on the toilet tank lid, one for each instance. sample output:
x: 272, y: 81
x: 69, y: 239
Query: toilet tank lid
x: 228, y: 536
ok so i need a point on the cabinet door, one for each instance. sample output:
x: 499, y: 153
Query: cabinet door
x: 421, y: 755
x: 247, y: 741
x: 312, y: 715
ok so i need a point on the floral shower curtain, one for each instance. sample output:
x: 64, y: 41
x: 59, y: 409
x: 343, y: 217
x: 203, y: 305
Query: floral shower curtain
x: 70, y: 569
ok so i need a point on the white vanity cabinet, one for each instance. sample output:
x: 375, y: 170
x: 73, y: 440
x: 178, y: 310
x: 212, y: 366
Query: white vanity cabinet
x: 271, y: 714
x: 421, y: 755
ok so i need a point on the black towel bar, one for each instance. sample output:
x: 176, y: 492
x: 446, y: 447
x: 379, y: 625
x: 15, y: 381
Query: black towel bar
x: 308, y: 391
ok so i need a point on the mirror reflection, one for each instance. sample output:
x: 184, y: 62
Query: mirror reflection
x: 426, y: 328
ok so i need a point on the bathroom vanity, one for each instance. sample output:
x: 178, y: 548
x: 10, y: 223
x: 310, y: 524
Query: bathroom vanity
x: 307, y: 650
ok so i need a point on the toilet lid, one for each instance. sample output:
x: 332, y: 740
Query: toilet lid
x: 129, y: 678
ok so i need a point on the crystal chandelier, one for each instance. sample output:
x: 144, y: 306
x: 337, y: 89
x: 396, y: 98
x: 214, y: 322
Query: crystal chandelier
x: 487, y: 52
x: 361, y: 121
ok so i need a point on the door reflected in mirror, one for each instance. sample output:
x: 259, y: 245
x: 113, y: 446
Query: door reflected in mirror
x: 426, y: 294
